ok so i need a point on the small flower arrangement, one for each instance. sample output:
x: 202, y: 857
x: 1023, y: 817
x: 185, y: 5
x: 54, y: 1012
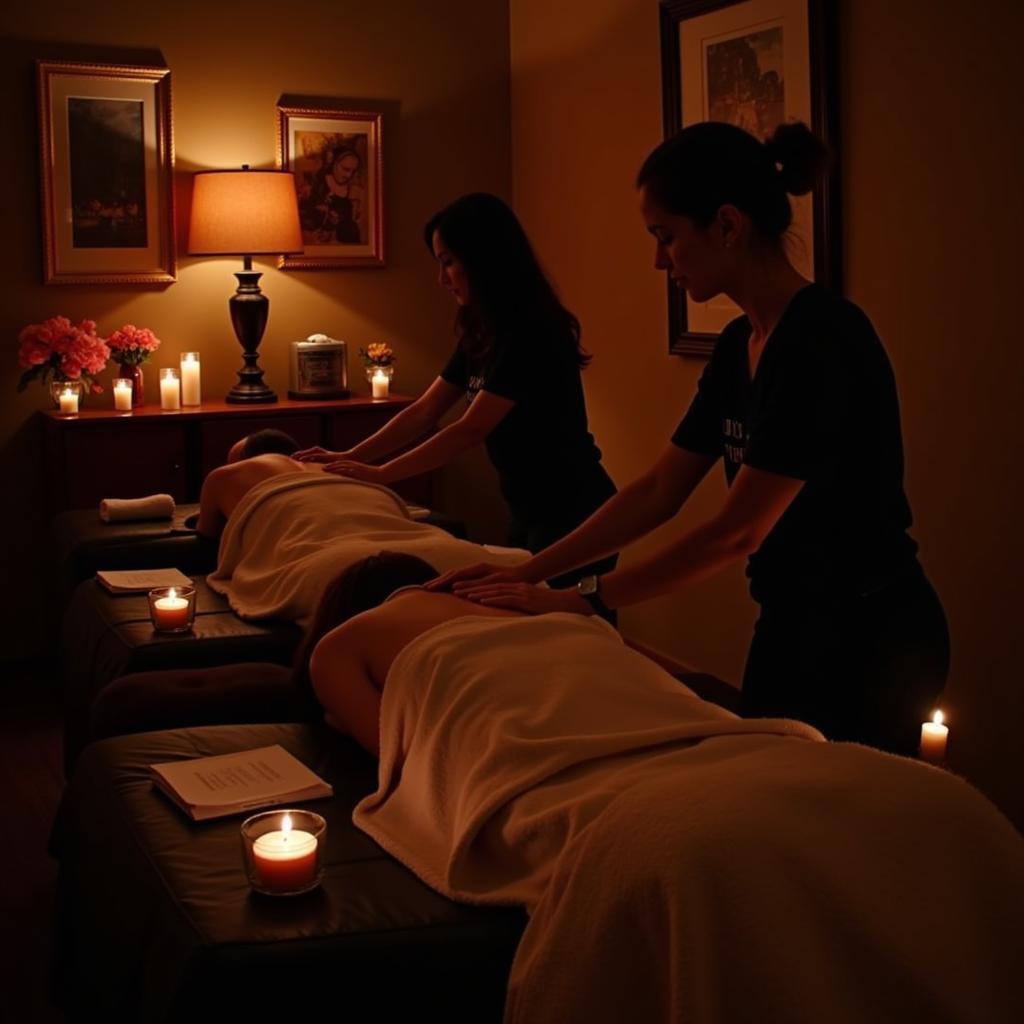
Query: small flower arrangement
x: 58, y: 350
x: 378, y: 354
x: 132, y: 346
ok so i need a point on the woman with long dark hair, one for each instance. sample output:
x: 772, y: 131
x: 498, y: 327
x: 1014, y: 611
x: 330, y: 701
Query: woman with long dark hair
x: 799, y: 402
x: 517, y: 363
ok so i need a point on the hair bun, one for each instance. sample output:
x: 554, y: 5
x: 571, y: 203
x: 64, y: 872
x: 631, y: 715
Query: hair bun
x: 800, y: 156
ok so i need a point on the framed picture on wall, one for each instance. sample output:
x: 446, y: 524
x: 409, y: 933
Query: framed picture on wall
x: 336, y: 158
x: 755, y: 64
x: 107, y: 165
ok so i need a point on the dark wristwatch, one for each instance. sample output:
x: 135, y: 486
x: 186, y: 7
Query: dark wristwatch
x: 589, y: 589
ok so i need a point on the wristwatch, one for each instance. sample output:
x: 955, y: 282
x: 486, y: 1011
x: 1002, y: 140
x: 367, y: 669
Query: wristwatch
x: 589, y: 589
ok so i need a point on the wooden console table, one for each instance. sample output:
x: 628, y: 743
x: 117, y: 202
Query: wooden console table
x: 100, y: 453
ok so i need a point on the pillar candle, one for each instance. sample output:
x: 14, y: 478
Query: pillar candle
x: 170, y: 390
x: 285, y: 861
x: 190, y: 378
x: 933, y: 739
x: 68, y: 401
x: 123, y: 394
x: 380, y: 383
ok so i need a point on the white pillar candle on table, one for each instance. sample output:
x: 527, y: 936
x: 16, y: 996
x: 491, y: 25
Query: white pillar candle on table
x: 123, y: 394
x: 68, y: 401
x: 190, y: 378
x: 380, y: 383
x: 170, y: 389
x: 933, y: 739
x: 285, y: 861
x: 170, y: 612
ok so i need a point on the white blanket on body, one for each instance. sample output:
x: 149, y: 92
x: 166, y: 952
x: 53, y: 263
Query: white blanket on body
x: 679, y: 863
x: 291, y: 535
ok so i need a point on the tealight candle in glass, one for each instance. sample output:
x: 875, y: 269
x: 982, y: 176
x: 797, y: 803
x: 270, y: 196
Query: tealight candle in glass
x: 172, y: 609
x: 123, y: 394
x: 170, y: 389
x: 283, y: 850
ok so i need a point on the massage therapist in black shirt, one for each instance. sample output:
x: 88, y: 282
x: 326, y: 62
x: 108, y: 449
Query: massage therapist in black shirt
x: 799, y: 402
x: 517, y: 362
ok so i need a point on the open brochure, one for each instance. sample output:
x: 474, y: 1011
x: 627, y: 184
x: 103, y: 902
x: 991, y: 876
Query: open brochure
x: 136, y: 581
x: 213, y: 787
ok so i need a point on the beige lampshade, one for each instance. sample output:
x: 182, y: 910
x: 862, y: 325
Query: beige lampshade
x: 244, y: 213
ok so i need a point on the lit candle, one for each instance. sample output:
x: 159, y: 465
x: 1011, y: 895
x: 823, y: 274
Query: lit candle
x: 123, y: 394
x: 380, y: 382
x: 170, y: 390
x: 170, y: 612
x: 68, y: 401
x: 933, y: 739
x: 190, y: 378
x: 285, y: 861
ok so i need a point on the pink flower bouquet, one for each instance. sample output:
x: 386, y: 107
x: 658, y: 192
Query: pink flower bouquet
x: 60, y: 350
x: 131, y: 345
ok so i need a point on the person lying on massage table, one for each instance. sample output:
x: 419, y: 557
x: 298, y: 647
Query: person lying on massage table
x: 677, y: 863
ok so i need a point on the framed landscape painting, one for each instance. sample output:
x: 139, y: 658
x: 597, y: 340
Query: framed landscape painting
x: 336, y: 158
x: 755, y: 64
x: 107, y: 165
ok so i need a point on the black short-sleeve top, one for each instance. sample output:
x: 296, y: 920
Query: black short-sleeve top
x: 548, y: 464
x: 821, y: 408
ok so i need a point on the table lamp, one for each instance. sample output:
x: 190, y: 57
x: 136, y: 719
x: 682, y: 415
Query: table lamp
x: 246, y: 213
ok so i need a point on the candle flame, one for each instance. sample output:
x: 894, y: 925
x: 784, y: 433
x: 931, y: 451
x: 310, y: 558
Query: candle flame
x: 937, y: 718
x: 286, y: 825
x: 172, y: 593
x: 68, y: 390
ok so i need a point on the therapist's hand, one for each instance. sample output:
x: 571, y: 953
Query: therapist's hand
x: 319, y: 454
x: 530, y: 598
x: 460, y: 580
x: 358, y: 471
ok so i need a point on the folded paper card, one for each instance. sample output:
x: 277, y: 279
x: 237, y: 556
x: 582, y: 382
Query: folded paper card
x: 141, y: 581
x: 119, y: 510
x: 214, y: 787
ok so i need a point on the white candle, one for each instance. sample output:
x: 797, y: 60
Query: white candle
x: 380, y: 383
x: 170, y: 612
x: 68, y: 401
x: 123, y: 394
x: 190, y: 378
x: 285, y: 861
x: 933, y: 739
x: 170, y: 390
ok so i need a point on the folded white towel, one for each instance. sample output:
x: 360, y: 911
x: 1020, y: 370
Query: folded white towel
x: 154, y: 506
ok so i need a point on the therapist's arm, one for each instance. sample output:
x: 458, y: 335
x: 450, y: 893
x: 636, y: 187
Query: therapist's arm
x: 757, y: 499
x: 471, y: 429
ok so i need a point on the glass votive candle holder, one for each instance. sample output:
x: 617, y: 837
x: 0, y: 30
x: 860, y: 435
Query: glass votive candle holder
x: 170, y: 389
x: 283, y: 851
x: 123, y: 394
x: 172, y: 609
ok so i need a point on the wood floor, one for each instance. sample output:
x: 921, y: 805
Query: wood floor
x: 31, y: 780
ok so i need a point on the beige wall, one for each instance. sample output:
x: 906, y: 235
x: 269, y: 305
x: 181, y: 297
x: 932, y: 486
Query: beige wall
x: 441, y: 71
x: 932, y: 165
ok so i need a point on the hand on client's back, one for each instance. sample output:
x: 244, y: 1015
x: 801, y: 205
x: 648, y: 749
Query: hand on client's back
x: 459, y: 580
x: 318, y: 454
x: 357, y: 471
x: 527, y: 597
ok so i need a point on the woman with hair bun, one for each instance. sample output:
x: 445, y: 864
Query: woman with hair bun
x: 799, y: 401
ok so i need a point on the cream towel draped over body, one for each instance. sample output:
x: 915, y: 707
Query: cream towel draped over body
x: 291, y: 535
x: 679, y: 863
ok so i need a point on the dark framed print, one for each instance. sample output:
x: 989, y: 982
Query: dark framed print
x: 336, y: 158
x: 107, y: 166
x: 756, y: 64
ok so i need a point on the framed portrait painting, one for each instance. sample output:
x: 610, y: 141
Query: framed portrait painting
x: 336, y: 158
x: 107, y: 166
x: 755, y: 64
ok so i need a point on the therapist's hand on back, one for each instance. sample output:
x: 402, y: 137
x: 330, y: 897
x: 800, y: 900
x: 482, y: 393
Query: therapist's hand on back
x: 460, y: 581
x: 359, y: 471
x: 527, y: 597
x: 319, y: 454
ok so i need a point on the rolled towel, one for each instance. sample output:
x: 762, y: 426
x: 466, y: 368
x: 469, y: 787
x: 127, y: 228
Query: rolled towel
x: 154, y: 506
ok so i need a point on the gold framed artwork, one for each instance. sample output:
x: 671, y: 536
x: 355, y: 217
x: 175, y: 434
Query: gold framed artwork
x: 107, y: 166
x: 337, y: 161
x: 755, y: 64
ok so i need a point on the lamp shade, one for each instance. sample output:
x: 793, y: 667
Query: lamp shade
x: 244, y: 213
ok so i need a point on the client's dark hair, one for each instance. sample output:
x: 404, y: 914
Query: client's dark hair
x: 264, y: 442
x: 360, y: 587
x: 713, y: 164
